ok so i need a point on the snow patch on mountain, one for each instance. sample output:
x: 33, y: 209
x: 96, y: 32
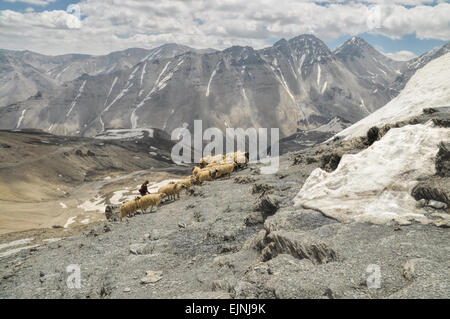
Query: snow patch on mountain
x: 80, y: 91
x: 120, y: 134
x: 21, y: 119
x: 213, y: 74
x: 319, y: 71
x: 134, y: 118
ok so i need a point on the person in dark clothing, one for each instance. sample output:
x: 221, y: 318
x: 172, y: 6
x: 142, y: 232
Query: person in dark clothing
x: 144, y: 189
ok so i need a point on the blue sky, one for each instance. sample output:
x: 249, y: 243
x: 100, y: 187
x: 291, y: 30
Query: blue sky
x: 21, y: 6
x: 142, y: 23
x: 408, y: 42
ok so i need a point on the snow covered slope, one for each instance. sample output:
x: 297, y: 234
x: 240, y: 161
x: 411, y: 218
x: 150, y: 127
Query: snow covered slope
x: 375, y: 184
x: 429, y: 87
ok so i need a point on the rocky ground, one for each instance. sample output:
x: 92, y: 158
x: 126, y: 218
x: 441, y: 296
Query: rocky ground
x: 239, y: 237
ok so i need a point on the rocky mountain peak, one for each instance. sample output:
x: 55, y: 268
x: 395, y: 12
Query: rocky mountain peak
x: 314, y: 49
x: 355, y: 47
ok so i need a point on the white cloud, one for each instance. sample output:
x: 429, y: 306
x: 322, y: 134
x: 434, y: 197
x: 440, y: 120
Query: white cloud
x: 109, y: 25
x: 402, y: 55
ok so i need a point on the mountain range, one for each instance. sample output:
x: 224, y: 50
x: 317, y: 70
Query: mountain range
x: 296, y: 84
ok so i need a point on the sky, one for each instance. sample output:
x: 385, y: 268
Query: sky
x: 401, y: 29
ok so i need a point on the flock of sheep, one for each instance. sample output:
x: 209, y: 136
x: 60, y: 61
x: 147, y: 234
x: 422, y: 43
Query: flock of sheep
x: 211, y: 167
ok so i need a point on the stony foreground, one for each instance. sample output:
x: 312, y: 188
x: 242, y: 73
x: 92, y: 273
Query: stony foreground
x: 238, y: 238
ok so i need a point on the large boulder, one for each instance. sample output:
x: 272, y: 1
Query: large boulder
x: 112, y: 213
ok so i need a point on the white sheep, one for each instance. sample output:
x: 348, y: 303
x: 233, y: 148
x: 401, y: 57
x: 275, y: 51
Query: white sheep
x: 172, y: 190
x: 129, y: 208
x: 240, y: 158
x: 196, y: 170
x: 150, y: 200
x: 217, y: 159
x: 187, y: 182
x: 204, y: 176
x: 223, y: 170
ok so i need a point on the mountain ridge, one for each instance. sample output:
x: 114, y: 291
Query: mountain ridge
x: 294, y: 84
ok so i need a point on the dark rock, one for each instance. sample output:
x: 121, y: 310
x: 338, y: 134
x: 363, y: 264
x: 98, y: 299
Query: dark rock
x: 228, y: 236
x: 429, y: 191
x: 112, y: 212
x: 89, y: 153
x: 268, y: 204
x: 141, y: 249
x: 443, y: 160
x: 298, y: 246
x: 79, y: 153
x: 244, y: 180
x: 107, y: 287
x: 228, y: 248
x: 198, y: 217
x: 254, y: 219
x: 330, y: 162
x: 196, y: 191
x: 442, y: 122
x: 328, y: 293
x: 429, y: 110
x: 106, y: 228
x: 261, y: 188
x: 372, y: 135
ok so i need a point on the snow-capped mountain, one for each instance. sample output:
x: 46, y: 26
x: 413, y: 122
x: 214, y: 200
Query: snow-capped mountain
x: 376, y: 69
x: 376, y: 184
x: 294, y: 84
x: 24, y: 73
x: 417, y: 63
x: 116, y: 61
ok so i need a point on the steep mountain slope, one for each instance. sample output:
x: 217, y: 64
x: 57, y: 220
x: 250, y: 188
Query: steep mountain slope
x: 367, y: 63
x: 43, y: 62
x: 19, y: 80
x: 224, y: 241
x: 308, y: 138
x: 115, y: 61
x: 415, y: 64
x: 377, y: 184
x: 60, y: 69
x: 293, y: 84
x: 428, y: 88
